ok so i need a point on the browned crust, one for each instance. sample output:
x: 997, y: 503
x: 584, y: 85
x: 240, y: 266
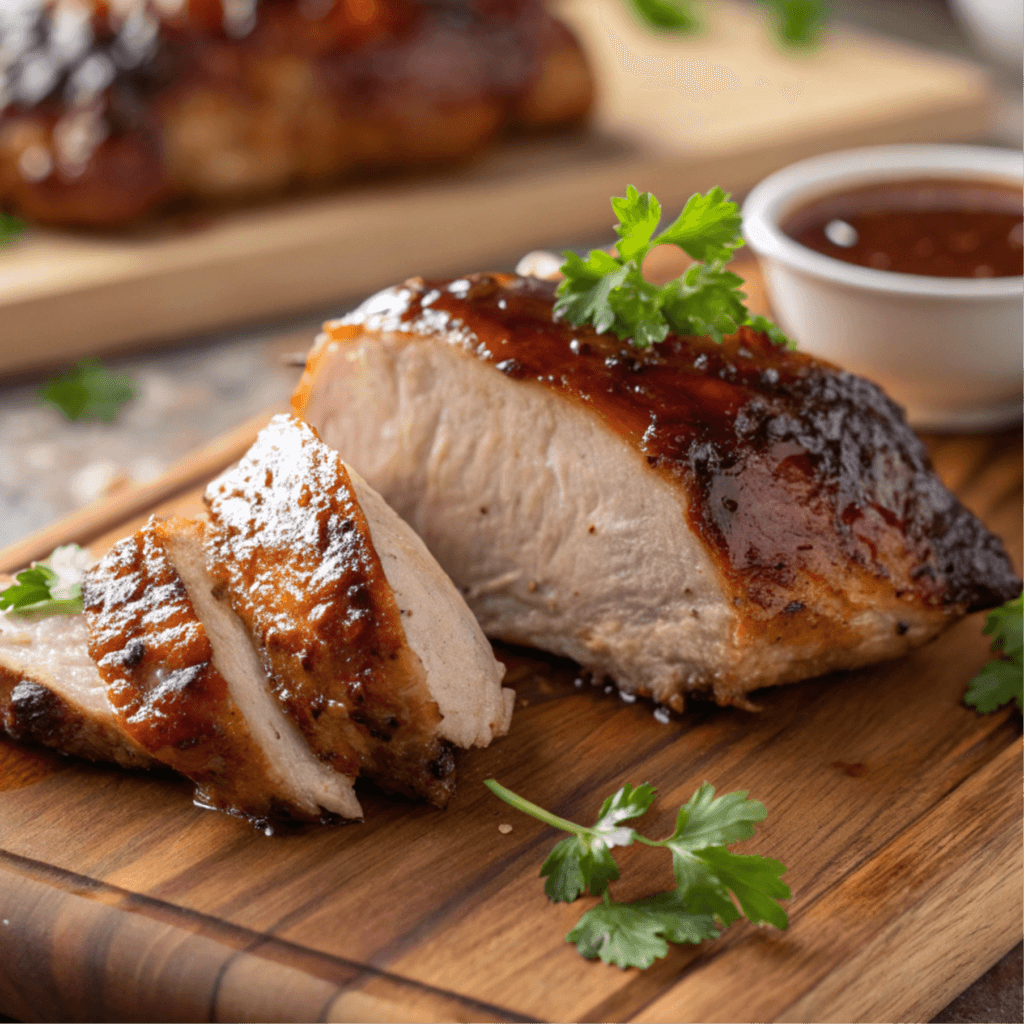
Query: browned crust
x: 816, y: 501
x: 196, y: 112
x: 153, y: 653
x: 31, y: 712
x: 291, y: 548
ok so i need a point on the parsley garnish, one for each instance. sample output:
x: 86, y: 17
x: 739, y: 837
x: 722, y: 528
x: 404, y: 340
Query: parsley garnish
x: 636, y: 934
x: 90, y: 390
x: 11, y: 228
x: 53, y: 587
x: 1002, y: 679
x: 797, y: 22
x: 610, y: 292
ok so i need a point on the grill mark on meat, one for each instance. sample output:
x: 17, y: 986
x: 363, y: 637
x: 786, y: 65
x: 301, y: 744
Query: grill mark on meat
x: 298, y: 563
x: 773, y: 447
x: 155, y: 655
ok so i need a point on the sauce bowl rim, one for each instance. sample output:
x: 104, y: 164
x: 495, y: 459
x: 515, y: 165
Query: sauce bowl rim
x: 784, y: 191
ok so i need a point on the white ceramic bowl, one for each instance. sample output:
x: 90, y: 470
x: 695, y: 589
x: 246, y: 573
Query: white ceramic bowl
x: 948, y: 349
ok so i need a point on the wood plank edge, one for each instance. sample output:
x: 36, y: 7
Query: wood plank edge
x: 113, y: 903
x: 88, y: 523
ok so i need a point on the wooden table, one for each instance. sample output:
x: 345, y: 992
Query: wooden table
x: 896, y: 809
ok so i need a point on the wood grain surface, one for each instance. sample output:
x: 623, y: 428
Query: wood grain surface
x: 897, y: 810
x: 674, y: 114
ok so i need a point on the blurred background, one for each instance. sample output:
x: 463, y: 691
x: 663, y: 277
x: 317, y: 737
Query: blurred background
x: 196, y: 209
x: 203, y: 292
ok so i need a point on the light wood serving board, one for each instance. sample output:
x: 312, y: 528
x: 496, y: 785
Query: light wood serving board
x: 897, y: 810
x: 674, y: 114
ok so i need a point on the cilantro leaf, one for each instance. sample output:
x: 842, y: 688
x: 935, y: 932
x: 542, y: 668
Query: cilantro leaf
x: 1002, y: 679
x: 611, y: 293
x: 706, y: 301
x: 753, y: 880
x: 585, y: 292
x: 11, y: 228
x: 638, y: 215
x: 578, y: 864
x: 585, y: 861
x: 763, y: 325
x: 636, y: 934
x: 706, y: 821
x: 32, y: 587
x: 797, y: 22
x: 50, y: 587
x: 90, y: 390
x: 708, y: 229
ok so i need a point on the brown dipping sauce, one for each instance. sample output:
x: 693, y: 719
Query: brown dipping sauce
x: 933, y: 227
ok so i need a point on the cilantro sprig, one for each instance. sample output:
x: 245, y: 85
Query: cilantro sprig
x: 53, y: 587
x: 710, y: 880
x: 611, y: 293
x: 89, y: 391
x: 1002, y: 679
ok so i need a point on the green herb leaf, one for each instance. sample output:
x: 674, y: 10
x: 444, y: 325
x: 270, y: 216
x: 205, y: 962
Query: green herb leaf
x: 668, y: 14
x: 708, y: 229
x: 585, y: 861
x: 1001, y: 680
x: 636, y: 934
x: 50, y: 587
x: 89, y: 391
x: 11, y: 228
x: 709, y: 821
x: 611, y: 293
x: 797, y: 22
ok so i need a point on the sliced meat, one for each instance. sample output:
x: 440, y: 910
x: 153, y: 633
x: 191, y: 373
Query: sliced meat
x: 693, y: 517
x: 333, y: 589
x: 51, y: 693
x: 188, y: 687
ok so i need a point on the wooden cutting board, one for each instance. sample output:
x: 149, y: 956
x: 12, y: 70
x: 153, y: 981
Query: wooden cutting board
x: 897, y: 810
x: 674, y: 114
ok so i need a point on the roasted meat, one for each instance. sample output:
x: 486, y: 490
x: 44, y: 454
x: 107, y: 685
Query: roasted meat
x: 299, y: 637
x: 187, y: 686
x: 693, y: 517
x: 366, y: 643
x: 51, y: 693
x: 110, y: 110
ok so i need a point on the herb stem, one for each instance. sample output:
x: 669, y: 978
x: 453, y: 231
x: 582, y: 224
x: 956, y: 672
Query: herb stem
x: 521, y: 804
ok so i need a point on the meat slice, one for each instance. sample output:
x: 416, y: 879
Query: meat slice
x: 188, y: 687
x: 692, y: 517
x: 51, y: 693
x: 367, y: 644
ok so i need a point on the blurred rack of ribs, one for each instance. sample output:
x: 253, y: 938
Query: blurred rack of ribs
x: 112, y: 109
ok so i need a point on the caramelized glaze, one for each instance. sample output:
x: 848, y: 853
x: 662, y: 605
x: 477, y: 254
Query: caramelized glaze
x: 795, y: 473
x: 109, y: 110
x: 292, y: 550
x: 155, y: 657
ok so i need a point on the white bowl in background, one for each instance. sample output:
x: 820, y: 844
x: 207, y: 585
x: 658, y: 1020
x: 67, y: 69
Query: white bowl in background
x: 948, y: 349
x: 997, y: 27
